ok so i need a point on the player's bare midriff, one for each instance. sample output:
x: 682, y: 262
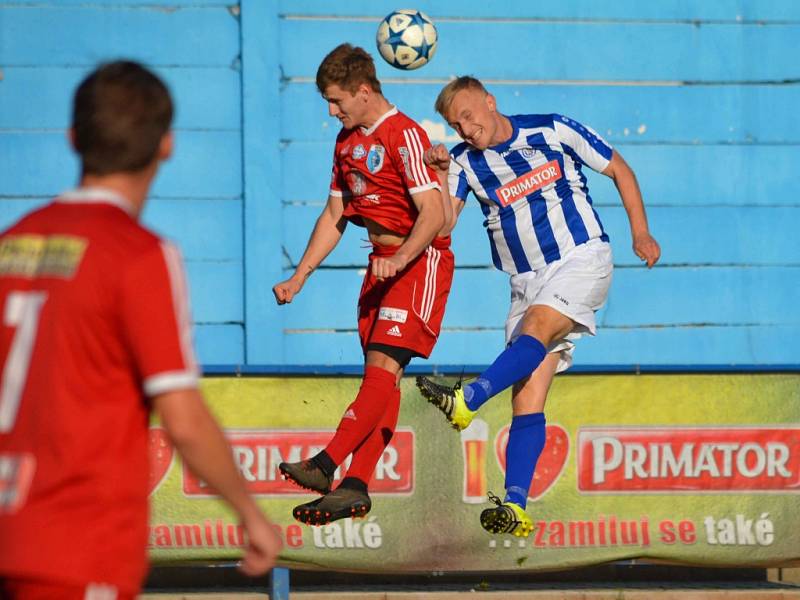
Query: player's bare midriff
x: 378, y: 234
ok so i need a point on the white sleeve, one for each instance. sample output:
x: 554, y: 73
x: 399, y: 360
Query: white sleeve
x: 585, y: 143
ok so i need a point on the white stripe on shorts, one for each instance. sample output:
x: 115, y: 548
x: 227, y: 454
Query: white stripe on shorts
x: 100, y: 591
x: 429, y: 295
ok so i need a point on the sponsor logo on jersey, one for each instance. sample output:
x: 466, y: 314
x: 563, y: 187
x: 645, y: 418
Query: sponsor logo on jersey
x: 359, y: 152
x: 373, y: 198
x: 375, y: 158
x: 387, y: 313
x: 688, y: 459
x: 349, y: 414
x: 357, y: 183
x: 32, y: 255
x: 258, y: 453
x: 530, y: 182
x: 345, y: 150
x: 405, y: 157
x: 394, y: 331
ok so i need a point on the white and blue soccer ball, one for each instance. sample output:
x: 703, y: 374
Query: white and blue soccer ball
x: 407, y: 39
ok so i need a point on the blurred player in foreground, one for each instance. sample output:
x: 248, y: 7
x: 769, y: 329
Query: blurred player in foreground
x: 379, y: 182
x: 95, y: 331
x: 525, y: 170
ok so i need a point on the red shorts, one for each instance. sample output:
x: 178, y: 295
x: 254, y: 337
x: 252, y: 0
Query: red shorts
x: 406, y: 311
x: 29, y: 589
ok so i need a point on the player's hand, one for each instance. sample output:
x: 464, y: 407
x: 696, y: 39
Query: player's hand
x: 263, y: 545
x: 646, y: 247
x: 384, y: 267
x: 437, y: 157
x: 285, y: 291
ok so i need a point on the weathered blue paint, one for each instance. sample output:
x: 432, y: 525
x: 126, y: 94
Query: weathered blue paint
x: 699, y: 97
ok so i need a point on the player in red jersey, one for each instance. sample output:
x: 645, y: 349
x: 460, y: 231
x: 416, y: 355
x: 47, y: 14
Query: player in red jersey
x: 379, y: 182
x: 94, y: 331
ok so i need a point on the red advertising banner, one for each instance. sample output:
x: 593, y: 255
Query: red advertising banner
x: 688, y: 459
x: 258, y: 454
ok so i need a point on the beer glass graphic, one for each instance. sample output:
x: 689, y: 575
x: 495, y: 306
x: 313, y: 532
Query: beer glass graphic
x: 474, y: 440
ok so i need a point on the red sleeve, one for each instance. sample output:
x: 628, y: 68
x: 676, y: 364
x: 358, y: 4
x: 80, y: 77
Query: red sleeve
x: 410, y: 143
x: 338, y: 186
x: 157, y: 320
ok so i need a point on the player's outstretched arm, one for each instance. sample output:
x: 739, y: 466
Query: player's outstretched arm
x: 327, y: 232
x: 203, y: 447
x: 644, y: 245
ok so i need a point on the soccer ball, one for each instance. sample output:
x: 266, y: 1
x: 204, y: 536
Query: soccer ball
x: 406, y: 39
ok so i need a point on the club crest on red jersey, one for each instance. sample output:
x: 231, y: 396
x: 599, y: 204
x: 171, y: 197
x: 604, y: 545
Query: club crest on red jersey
x: 375, y: 158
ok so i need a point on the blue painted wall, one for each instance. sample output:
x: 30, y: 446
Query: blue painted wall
x: 698, y: 97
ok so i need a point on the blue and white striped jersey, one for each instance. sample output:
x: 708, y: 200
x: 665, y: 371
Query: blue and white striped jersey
x: 532, y: 190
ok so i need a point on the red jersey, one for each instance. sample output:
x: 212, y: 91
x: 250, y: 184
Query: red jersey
x: 94, y: 319
x: 376, y: 170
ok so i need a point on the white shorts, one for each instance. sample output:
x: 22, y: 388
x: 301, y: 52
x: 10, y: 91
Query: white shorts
x: 576, y: 285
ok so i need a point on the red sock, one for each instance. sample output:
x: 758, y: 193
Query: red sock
x: 363, y: 414
x: 366, y: 456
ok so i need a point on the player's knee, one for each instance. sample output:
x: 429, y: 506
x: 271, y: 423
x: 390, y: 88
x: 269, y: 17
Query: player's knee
x: 547, y: 324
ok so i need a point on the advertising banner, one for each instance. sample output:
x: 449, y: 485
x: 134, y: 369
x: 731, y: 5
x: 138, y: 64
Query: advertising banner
x: 696, y: 469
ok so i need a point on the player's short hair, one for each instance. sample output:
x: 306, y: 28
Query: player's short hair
x: 120, y: 114
x: 348, y: 67
x: 445, y: 98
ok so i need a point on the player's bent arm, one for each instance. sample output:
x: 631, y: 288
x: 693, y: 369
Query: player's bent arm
x: 438, y: 158
x: 625, y: 181
x: 644, y: 245
x: 430, y: 220
x: 327, y: 232
x: 457, y: 206
x: 448, y: 210
x: 451, y: 204
x: 203, y: 447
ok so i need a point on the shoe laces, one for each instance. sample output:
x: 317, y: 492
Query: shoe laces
x: 460, y: 379
x: 495, y: 499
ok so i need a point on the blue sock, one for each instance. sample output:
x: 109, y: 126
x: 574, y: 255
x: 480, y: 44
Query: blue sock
x: 516, y: 362
x: 525, y: 443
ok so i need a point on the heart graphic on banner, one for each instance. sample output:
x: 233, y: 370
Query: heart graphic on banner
x: 551, y: 462
x: 160, y: 450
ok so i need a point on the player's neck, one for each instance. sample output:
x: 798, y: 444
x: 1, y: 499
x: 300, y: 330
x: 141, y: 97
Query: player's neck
x: 131, y: 186
x: 504, y: 129
x: 379, y: 106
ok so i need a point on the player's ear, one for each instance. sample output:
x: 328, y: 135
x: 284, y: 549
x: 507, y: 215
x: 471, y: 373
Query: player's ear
x: 71, y: 138
x: 491, y: 102
x: 166, y: 146
x: 364, y: 91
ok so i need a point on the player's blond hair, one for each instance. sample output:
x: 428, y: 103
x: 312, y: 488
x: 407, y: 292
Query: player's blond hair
x: 348, y: 67
x: 465, y: 82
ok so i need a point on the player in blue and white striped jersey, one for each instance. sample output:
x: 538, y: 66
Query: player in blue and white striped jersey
x: 527, y: 173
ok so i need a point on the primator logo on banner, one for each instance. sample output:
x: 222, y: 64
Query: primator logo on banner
x: 688, y: 459
x: 259, y: 452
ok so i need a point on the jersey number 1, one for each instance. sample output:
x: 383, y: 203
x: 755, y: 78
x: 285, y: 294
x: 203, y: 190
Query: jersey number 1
x: 22, y: 311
